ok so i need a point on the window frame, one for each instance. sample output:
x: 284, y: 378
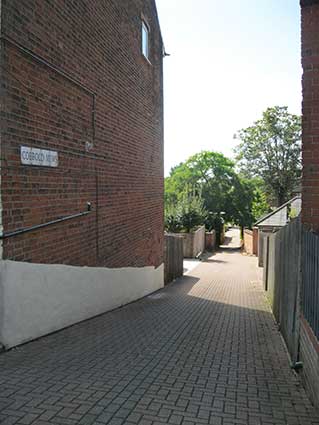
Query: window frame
x: 145, y: 32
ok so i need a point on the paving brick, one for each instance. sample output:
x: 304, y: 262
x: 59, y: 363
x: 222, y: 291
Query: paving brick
x: 145, y: 422
x: 29, y: 418
x: 206, y: 352
x: 104, y: 417
x: 176, y: 419
x: 9, y: 420
x: 88, y: 419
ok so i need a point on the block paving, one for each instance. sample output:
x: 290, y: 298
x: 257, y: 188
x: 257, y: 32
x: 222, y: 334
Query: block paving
x: 204, y: 350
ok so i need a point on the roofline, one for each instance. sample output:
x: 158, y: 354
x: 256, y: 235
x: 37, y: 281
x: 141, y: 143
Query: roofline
x: 159, y: 23
x: 278, y: 209
x: 305, y: 3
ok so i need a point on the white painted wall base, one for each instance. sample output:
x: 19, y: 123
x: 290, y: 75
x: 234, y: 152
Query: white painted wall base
x: 37, y: 299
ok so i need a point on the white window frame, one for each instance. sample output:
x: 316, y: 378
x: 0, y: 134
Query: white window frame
x: 145, y: 40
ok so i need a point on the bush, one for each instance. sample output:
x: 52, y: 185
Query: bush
x: 172, y: 219
x: 215, y: 222
x: 192, y: 212
x: 186, y: 215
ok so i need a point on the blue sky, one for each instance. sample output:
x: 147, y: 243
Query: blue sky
x: 230, y: 60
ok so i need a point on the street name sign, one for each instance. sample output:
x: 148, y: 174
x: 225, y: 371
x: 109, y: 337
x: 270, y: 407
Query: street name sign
x: 39, y: 157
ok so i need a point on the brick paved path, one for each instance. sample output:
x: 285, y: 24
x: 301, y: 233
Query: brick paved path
x: 205, y: 350
x: 232, y: 239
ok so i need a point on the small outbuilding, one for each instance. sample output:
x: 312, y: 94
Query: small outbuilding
x: 274, y: 221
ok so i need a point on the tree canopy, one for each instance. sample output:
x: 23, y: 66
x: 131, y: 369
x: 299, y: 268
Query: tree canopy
x: 212, y: 176
x: 271, y: 149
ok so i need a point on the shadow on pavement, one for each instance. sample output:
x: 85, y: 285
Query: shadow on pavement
x: 197, y: 337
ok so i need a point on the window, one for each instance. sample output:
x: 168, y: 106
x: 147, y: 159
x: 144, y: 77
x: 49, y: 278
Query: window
x: 145, y: 40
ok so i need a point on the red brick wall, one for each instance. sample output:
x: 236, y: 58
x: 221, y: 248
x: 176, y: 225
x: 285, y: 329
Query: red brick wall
x: 310, y: 62
x: 251, y: 241
x: 98, y: 44
x: 309, y: 349
x: 255, y: 240
x: 248, y: 241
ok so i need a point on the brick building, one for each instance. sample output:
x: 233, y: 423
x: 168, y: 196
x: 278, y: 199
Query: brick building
x: 310, y: 149
x: 81, y: 122
x: 309, y: 344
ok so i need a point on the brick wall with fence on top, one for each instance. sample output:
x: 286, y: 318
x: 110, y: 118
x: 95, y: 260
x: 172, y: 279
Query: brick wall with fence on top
x: 75, y: 81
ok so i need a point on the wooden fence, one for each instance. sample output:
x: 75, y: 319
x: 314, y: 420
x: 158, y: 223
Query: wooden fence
x: 173, y: 258
x: 310, y: 279
x: 291, y: 279
x: 282, y: 278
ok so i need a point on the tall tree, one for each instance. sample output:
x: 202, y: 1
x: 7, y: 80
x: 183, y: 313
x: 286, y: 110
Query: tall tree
x: 271, y: 149
x: 212, y: 176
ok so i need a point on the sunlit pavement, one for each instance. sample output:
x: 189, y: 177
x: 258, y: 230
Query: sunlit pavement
x: 190, y: 264
x: 205, y: 350
x: 232, y: 239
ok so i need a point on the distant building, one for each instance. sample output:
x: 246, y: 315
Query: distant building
x: 81, y: 122
x: 274, y: 221
x: 280, y: 216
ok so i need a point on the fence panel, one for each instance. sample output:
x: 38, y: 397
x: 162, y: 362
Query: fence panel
x: 288, y: 246
x: 270, y: 276
x: 173, y: 258
x: 310, y: 290
x: 283, y: 278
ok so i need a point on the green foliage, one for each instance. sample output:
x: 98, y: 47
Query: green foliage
x: 215, y: 222
x: 212, y: 176
x: 192, y: 212
x: 172, y: 219
x: 186, y: 214
x: 260, y: 206
x: 240, y: 200
x: 293, y: 213
x: 271, y: 150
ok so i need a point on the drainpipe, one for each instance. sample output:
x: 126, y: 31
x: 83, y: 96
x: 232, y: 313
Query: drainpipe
x: 1, y: 107
x: 1, y: 227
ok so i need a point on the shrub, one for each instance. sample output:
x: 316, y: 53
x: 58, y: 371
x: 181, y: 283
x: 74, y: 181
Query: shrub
x: 186, y: 215
x: 215, y: 222
x: 172, y: 220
